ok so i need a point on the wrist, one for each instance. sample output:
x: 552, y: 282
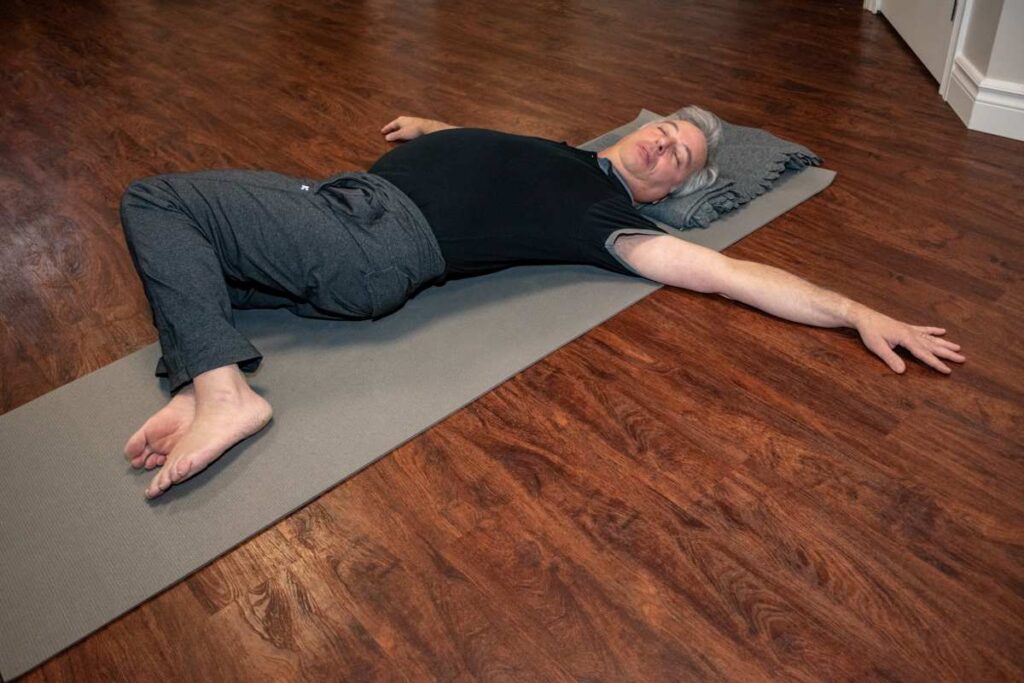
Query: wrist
x: 854, y: 313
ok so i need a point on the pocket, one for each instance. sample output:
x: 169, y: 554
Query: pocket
x: 388, y: 289
x: 351, y: 197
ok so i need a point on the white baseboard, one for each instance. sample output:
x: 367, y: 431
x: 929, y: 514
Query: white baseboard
x: 986, y: 104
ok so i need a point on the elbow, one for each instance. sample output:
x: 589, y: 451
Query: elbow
x: 725, y: 277
x: 716, y: 276
x: 731, y: 278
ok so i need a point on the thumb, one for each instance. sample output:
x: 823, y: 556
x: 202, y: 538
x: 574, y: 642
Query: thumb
x: 878, y: 344
x: 885, y: 352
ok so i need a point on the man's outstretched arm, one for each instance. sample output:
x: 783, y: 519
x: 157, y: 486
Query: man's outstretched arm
x: 676, y: 262
x: 410, y: 127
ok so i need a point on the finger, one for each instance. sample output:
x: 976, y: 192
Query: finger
x: 151, y: 460
x: 935, y: 345
x: 929, y: 358
x: 931, y: 330
x: 394, y: 125
x: 945, y: 343
x: 950, y: 354
x: 882, y: 350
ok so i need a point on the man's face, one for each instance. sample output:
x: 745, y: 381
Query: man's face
x: 659, y: 156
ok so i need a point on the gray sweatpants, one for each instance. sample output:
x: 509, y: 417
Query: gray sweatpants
x: 350, y: 247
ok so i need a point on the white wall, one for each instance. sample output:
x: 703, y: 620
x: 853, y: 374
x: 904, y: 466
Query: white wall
x: 1007, y: 61
x: 986, y: 87
x: 982, y: 21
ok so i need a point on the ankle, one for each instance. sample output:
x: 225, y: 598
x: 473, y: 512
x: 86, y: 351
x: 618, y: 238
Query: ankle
x: 187, y: 392
x: 225, y: 382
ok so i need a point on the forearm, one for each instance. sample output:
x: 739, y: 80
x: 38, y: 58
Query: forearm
x: 439, y: 125
x: 783, y: 294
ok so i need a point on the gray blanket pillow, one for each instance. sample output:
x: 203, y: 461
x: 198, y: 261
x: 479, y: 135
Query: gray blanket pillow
x: 750, y: 160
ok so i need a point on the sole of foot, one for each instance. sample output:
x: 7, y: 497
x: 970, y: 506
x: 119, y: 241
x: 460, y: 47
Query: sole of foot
x: 149, y: 446
x: 219, y: 424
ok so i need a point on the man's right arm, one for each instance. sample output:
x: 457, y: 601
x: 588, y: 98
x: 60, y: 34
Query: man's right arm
x: 410, y: 127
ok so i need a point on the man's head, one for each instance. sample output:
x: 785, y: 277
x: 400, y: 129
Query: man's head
x: 671, y: 156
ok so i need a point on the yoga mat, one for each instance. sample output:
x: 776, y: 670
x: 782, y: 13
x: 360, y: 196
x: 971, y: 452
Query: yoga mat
x: 79, y: 546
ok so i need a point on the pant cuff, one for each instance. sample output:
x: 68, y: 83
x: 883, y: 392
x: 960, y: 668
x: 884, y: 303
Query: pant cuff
x: 247, y: 359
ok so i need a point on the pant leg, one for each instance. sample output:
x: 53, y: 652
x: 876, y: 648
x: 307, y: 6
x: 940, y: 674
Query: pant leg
x: 245, y: 296
x: 203, y: 241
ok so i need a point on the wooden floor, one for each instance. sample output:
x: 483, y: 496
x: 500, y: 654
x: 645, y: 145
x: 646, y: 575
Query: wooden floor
x: 692, y: 491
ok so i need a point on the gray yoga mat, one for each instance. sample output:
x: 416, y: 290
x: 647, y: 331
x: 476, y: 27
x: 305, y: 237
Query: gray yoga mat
x: 79, y: 546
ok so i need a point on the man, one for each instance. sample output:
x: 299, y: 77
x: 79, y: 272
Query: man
x: 450, y: 202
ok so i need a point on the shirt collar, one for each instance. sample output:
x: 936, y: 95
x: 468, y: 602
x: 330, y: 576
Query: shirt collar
x: 609, y: 168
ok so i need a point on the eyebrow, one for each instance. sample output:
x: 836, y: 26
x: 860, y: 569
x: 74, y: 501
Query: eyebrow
x: 689, y: 153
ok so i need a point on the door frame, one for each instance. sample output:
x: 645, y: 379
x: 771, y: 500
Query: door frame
x: 955, y: 41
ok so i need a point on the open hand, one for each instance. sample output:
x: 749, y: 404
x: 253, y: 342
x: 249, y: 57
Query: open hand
x: 407, y: 128
x: 882, y: 334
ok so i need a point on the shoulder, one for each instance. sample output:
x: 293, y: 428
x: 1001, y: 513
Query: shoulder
x: 612, y: 208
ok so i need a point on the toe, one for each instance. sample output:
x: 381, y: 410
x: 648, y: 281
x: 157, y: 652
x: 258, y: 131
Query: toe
x: 181, y: 470
x: 159, y: 484
x: 152, y: 491
x: 140, y: 459
x: 136, y: 444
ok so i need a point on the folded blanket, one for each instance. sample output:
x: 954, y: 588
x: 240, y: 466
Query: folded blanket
x: 750, y: 160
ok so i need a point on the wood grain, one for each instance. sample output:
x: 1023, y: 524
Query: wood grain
x: 693, y: 490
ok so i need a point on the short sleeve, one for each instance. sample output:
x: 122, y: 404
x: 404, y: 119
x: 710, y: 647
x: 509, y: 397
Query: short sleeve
x: 604, y: 222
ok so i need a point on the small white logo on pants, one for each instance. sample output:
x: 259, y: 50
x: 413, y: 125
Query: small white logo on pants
x: 305, y: 188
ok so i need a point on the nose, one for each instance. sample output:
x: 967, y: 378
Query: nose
x: 663, y: 143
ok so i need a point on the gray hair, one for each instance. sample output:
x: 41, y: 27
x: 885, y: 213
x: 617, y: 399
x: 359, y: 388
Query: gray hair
x: 711, y: 126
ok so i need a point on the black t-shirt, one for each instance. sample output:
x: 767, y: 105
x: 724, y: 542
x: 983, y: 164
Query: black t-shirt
x: 496, y: 200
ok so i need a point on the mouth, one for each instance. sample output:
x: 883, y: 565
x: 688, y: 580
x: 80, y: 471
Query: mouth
x: 645, y: 155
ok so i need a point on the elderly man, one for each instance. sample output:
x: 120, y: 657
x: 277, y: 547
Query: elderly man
x: 449, y: 203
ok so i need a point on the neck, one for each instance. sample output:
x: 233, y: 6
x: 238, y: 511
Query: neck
x: 612, y: 155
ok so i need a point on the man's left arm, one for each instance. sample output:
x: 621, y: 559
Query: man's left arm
x: 673, y: 261
x: 406, y: 128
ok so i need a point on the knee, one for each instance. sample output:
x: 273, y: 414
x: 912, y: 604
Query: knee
x: 142, y: 197
x: 139, y: 192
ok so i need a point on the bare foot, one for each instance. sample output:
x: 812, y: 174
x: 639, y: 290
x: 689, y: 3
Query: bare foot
x: 150, y: 445
x: 224, y: 415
